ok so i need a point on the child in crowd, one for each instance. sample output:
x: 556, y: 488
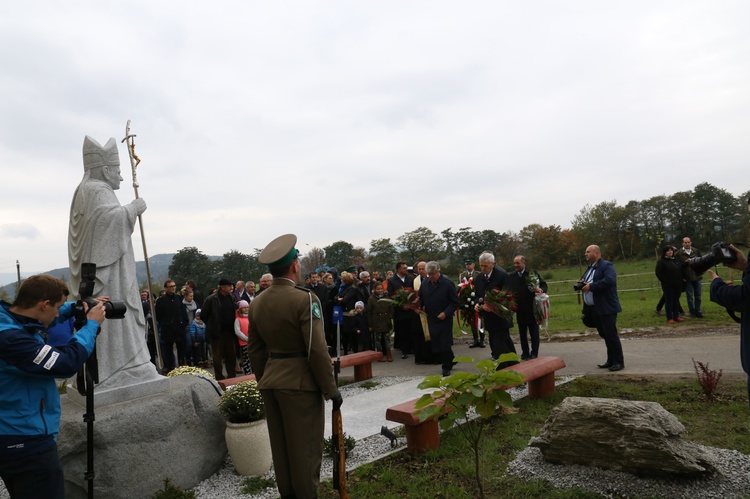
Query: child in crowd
x: 360, y: 327
x: 241, y: 327
x: 379, y: 317
x: 198, y: 339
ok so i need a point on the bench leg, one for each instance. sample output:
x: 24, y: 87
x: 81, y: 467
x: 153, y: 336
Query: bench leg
x: 422, y: 437
x: 363, y: 372
x: 542, y: 387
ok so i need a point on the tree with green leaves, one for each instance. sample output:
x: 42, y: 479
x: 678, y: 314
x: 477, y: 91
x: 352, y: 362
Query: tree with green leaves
x: 456, y: 395
x: 190, y: 263
x: 420, y: 244
x: 237, y: 266
x: 339, y: 255
x: 383, y: 254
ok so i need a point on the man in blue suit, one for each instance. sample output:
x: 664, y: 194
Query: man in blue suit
x: 600, y: 293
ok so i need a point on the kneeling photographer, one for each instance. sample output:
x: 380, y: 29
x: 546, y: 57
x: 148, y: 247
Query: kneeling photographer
x: 736, y: 298
x: 29, y: 399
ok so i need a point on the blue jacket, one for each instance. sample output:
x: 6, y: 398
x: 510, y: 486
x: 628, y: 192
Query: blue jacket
x: 604, y: 287
x: 29, y: 400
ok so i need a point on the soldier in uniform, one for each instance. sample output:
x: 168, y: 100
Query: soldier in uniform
x: 288, y: 352
x: 470, y: 273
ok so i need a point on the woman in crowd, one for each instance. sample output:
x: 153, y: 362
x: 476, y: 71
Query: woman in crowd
x: 671, y: 275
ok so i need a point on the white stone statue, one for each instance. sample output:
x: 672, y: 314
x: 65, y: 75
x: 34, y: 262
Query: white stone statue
x: 100, y: 232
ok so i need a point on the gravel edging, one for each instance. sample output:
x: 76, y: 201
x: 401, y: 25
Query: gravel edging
x: 733, y: 481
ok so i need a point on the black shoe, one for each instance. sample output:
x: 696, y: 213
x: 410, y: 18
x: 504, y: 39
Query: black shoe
x: 699, y: 315
x: 525, y: 356
x: 404, y: 356
x: 606, y: 365
x: 616, y: 367
x: 474, y: 345
x: 533, y: 356
x: 481, y: 344
x: 446, y: 372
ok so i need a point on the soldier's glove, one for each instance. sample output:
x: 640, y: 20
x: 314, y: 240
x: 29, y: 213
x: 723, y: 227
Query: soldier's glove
x: 337, y: 401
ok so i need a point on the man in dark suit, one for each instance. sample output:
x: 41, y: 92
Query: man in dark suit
x: 600, y: 292
x: 318, y: 288
x: 402, y: 319
x: 288, y: 352
x: 498, y: 328
x: 525, y: 293
x: 439, y: 300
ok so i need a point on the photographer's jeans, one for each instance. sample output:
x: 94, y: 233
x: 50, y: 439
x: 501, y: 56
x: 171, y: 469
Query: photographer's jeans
x: 693, y: 294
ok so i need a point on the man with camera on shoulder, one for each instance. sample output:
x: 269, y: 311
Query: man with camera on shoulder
x: 736, y: 298
x: 29, y: 400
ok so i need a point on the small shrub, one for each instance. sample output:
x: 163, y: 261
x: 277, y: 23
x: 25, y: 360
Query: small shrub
x: 172, y: 491
x: 349, y: 444
x: 256, y: 485
x: 707, y: 378
x: 368, y: 385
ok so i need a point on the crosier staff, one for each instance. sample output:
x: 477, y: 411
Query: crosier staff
x: 134, y: 161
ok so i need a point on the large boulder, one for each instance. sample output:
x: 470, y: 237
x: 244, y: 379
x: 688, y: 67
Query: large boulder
x: 636, y: 437
x: 177, y: 434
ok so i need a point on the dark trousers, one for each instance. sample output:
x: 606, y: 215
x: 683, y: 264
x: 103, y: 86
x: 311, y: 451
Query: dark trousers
x: 533, y: 331
x: 672, y: 300
x: 422, y: 348
x: 404, y: 336
x: 501, y: 342
x: 606, y: 326
x: 171, y: 336
x: 35, y: 476
x: 223, y: 349
x: 295, y: 427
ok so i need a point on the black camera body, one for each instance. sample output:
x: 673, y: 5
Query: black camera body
x: 720, y: 253
x: 578, y: 286
x: 112, y: 309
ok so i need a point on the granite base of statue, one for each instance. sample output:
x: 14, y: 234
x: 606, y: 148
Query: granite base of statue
x: 177, y: 434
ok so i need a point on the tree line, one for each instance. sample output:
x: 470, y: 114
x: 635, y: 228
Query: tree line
x: 638, y: 229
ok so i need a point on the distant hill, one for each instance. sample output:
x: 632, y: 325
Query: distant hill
x: 159, y: 272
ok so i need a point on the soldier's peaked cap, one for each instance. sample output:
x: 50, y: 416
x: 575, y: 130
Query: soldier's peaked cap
x: 279, y: 252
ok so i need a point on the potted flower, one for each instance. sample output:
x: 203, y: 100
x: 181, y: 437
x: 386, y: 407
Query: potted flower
x: 246, y: 433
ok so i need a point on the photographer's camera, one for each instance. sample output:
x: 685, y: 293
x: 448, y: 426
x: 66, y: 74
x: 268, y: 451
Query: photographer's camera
x: 720, y: 253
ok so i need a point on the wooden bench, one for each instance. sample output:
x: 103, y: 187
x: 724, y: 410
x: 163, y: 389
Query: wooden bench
x: 227, y: 382
x: 423, y: 436
x: 362, y: 363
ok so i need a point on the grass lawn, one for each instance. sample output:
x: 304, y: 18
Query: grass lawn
x: 638, y: 291
x: 449, y: 471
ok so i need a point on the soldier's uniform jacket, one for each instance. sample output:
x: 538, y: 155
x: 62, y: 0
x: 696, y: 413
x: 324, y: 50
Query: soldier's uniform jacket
x: 467, y: 275
x: 280, y: 325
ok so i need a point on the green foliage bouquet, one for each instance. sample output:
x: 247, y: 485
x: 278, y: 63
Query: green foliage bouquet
x: 404, y: 297
x: 501, y: 302
x: 242, y: 403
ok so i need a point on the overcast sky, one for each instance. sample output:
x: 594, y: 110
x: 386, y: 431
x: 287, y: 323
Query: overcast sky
x: 359, y: 120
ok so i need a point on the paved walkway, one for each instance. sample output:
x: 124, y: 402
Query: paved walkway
x: 365, y: 414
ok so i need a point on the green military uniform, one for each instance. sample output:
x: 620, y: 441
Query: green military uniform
x: 288, y: 352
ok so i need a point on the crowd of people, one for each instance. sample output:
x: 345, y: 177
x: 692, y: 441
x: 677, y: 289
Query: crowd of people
x: 358, y: 314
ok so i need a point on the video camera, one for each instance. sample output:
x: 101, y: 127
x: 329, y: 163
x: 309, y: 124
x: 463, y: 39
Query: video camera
x: 112, y: 309
x: 720, y: 253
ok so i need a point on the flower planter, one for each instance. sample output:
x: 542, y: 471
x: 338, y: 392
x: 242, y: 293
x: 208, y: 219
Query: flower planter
x: 249, y: 447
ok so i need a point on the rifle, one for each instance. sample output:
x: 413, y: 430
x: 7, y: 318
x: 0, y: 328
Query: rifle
x: 337, y: 430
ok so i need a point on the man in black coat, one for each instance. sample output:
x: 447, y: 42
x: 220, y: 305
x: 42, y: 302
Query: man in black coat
x: 526, y: 292
x: 498, y: 328
x: 439, y: 301
x: 402, y: 319
x: 171, y: 315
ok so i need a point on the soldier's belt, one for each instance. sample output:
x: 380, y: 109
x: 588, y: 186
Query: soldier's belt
x: 295, y: 355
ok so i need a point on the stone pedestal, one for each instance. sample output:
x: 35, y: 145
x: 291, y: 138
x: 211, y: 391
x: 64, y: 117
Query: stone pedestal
x: 176, y: 434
